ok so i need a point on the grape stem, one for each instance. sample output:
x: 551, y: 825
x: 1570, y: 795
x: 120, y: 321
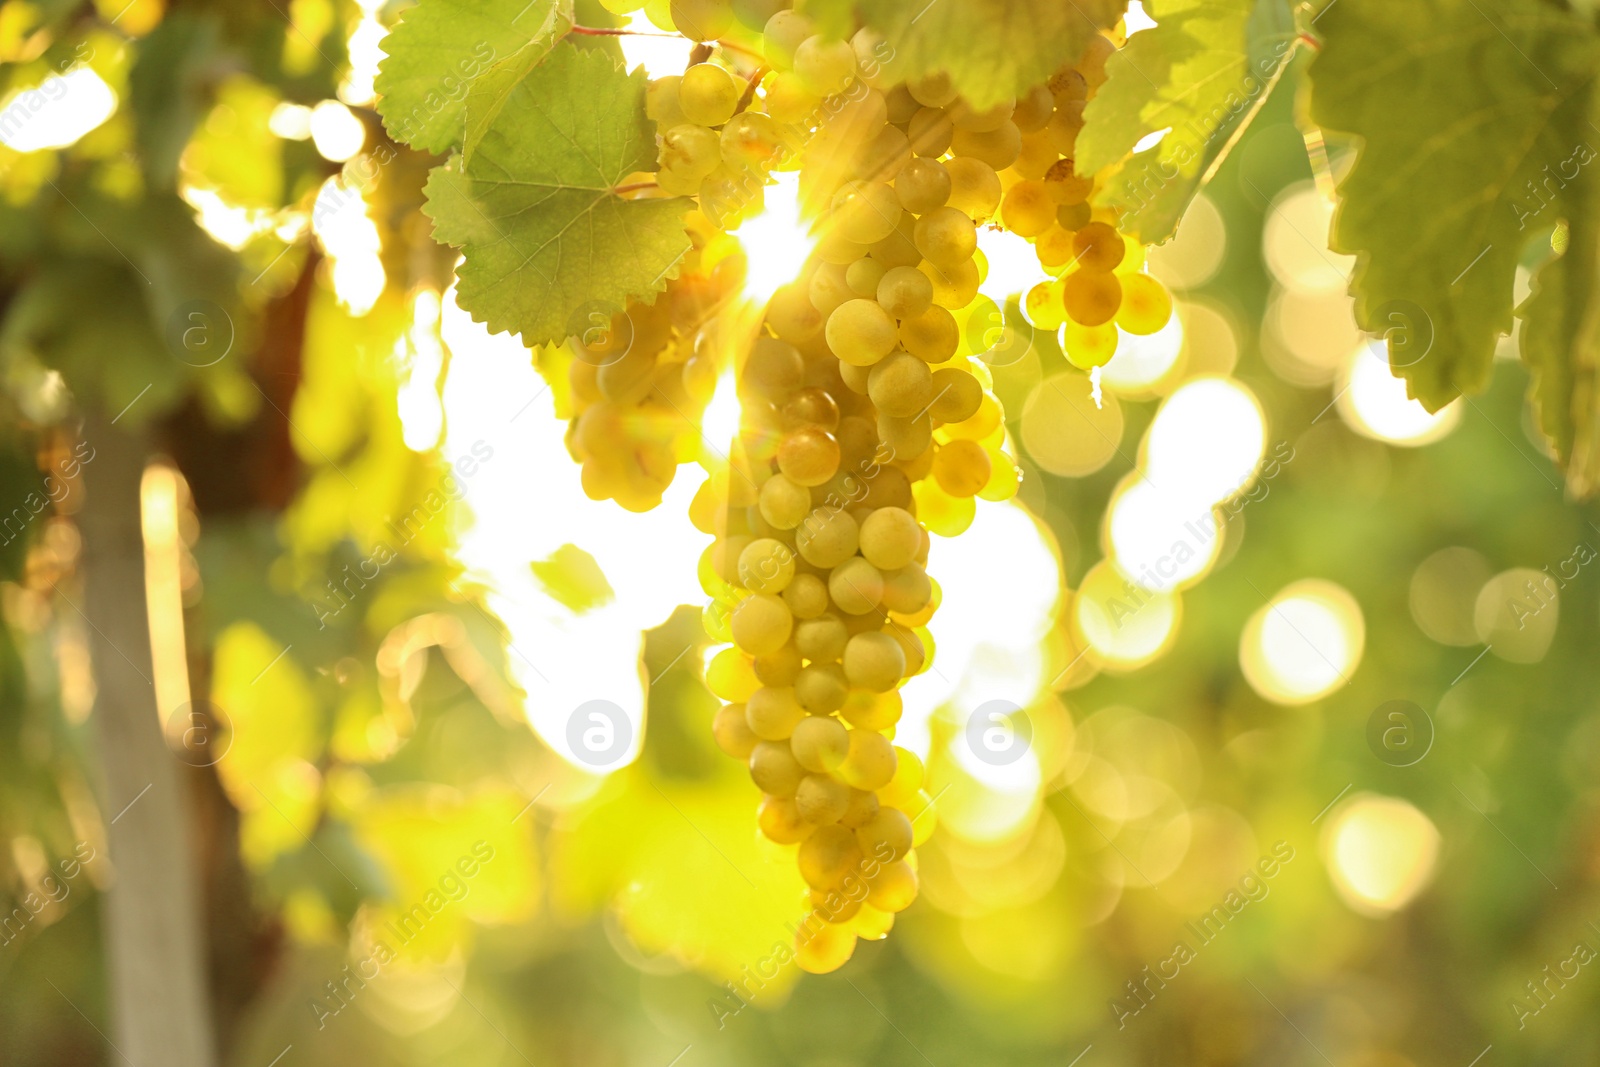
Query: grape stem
x: 635, y: 187
x: 610, y: 31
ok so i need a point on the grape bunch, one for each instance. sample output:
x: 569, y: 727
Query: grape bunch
x: 868, y: 419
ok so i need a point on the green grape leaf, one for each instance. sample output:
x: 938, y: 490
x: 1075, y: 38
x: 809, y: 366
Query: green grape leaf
x: 545, y: 235
x: 992, y: 49
x: 573, y: 577
x: 1451, y: 191
x: 440, y: 48
x: 1199, y: 74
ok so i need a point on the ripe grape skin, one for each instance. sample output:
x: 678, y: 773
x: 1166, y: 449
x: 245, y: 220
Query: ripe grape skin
x: 904, y: 292
x: 774, y: 769
x: 856, y: 586
x: 708, y: 94
x: 1099, y: 246
x: 874, y: 661
x: 1146, y: 304
x: 900, y: 385
x: 923, y: 185
x: 860, y: 332
x: 946, y: 237
x: 761, y: 624
x: 825, y: 67
x: 890, y: 538
x: 974, y: 187
x: 782, y: 35
x: 1028, y: 209
x: 1092, y: 299
x: 702, y: 20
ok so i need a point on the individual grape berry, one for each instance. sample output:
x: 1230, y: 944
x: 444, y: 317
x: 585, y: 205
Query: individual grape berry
x: 792, y: 316
x: 829, y: 287
x: 1028, y: 209
x: 780, y: 821
x: 821, y: 800
x: 730, y: 676
x: 907, y: 591
x: 1043, y: 307
x: 784, y: 503
x: 988, y: 120
x: 821, y: 688
x: 861, y: 810
x: 869, y: 761
x: 905, y: 292
x: 874, y: 661
x: 828, y: 856
x: 708, y: 94
x: 866, y: 212
x: 1065, y: 185
x: 1033, y: 109
x: 860, y: 332
x: 822, y: 639
x: 1099, y: 247
x: 900, y: 385
x: 907, y: 438
x: 930, y: 132
x: 772, y: 714
x: 1092, y: 299
x: 825, y: 67
x: 891, y: 537
x: 766, y: 565
x: 752, y: 13
x: 778, y: 670
x: 899, y: 249
x: 774, y: 769
x: 961, y: 468
x: 856, y: 586
x: 1038, y: 155
x: 783, y: 34
x: 933, y: 90
x: 932, y: 336
x: 877, y: 62
x: 953, y: 287
x: 1055, y: 248
x: 788, y: 101
x: 761, y: 624
x: 894, y: 889
x: 826, y: 950
x: 661, y: 102
x: 922, y: 185
x: 1073, y: 217
x: 827, y: 537
x: 863, y: 276
x: 751, y: 140
x: 807, y: 597
x: 886, y: 835
x: 732, y: 732
x: 1146, y: 304
x: 974, y: 187
x: 946, y: 237
x: 820, y: 743
x: 811, y: 407
x: 702, y: 20
x: 691, y: 150
x: 809, y: 456
x: 998, y: 147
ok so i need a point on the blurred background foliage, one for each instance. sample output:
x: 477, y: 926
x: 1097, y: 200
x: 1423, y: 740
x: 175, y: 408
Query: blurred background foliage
x: 380, y: 748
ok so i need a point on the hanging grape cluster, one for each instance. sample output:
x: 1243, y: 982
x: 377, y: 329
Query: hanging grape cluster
x: 867, y: 417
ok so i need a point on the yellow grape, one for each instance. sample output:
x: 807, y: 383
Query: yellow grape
x: 774, y: 769
x: 1027, y: 209
x: 828, y: 856
x: 730, y: 676
x: 961, y: 468
x: 953, y: 287
x: 902, y: 790
x: 932, y: 336
x: 772, y: 714
x: 1043, y: 306
x: 1005, y: 477
x: 856, y: 586
x: 824, y: 951
x: 886, y: 836
x: 946, y: 237
x: 1092, y: 299
x: 872, y: 711
x: 930, y: 132
x: 761, y: 624
x: 788, y: 100
x: 900, y: 385
x: 780, y: 821
x: 1089, y: 346
x: 904, y: 292
x: 732, y: 731
x: 863, y: 276
x: 866, y: 212
x: 811, y: 407
x: 827, y: 537
x: 1037, y: 156
x: 1055, y: 247
x: 986, y: 121
x: 1033, y: 109
x: 1146, y: 304
x: 821, y: 688
x: 933, y: 90
x: 874, y: 661
x: 861, y: 810
x: 1099, y: 247
x: 1065, y: 186
x: 894, y: 889
x: 782, y: 35
x: 899, y: 249
x: 766, y: 565
x: 751, y: 139
x: 890, y: 538
x: 778, y: 670
x: 792, y: 316
x: 825, y: 67
x: 860, y: 332
x: 906, y: 438
x: 829, y: 287
x: 1074, y: 217
x: 956, y: 395
x: 822, y: 639
x: 998, y: 147
x: 870, y: 924
x: 661, y: 102
x: 702, y: 20
x: 979, y: 425
x: 922, y: 185
x: 809, y: 456
x: 941, y: 513
x: 974, y: 187
x: 784, y: 503
x: 870, y: 760
x: 907, y: 591
x: 708, y: 94
x: 821, y: 800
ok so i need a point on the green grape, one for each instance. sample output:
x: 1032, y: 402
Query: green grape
x: 730, y: 676
x: 904, y: 292
x: 953, y: 287
x: 766, y: 565
x: 788, y: 101
x: 827, y: 538
x: 863, y: 276
x: 825, y: 67
x: 998, y: 147
x: 782, y: 35
x: 886, y: 833
x: 974, y: 187
x: 821, y: 688
x: 860, y: 332
x: 690, y: 150
x: 822, y: 639
x: 899, y: 249
x: 922, y: 186
x: 932, y: 336
x: 1073, y: 217
x: 761, y: 624
x: 772, y: 714
x: 894, y: 889
x: 809, y: 456
x: 1028, y: 210
x: 774, y: 769
x: 702, y: 20
x: 961, y: 468
x: 935, y: 90
x: 821, y: 800
x: 946, y: 237
x: 755, y: 13
x: 909, y: 438
x: 732, y: 732
x: 1092, y: 299
x: 661, y: 102
x: 1099, y: 247
x: 830, y: 287
x: 866, y: 212
x: 780, y: 821
x: 807, y: 597
x: 1034, y: 109
x: 676, y: 182
x: 986, y: 121
x: 908, y: 590
x: 900, y: 385
x: 856, y: 586
x: 891, y: 538
x: 708, y: 94
x: 870, y: 761
x: 1146, y: 304
x: 930, y: 132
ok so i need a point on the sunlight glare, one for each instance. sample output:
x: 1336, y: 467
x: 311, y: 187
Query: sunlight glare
x: 776, y: 241
x: 57, y: 112
x: 1380, y: 853
x: 1206, y: 441
x: 1304, y: 643
x: 1374, y: 403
